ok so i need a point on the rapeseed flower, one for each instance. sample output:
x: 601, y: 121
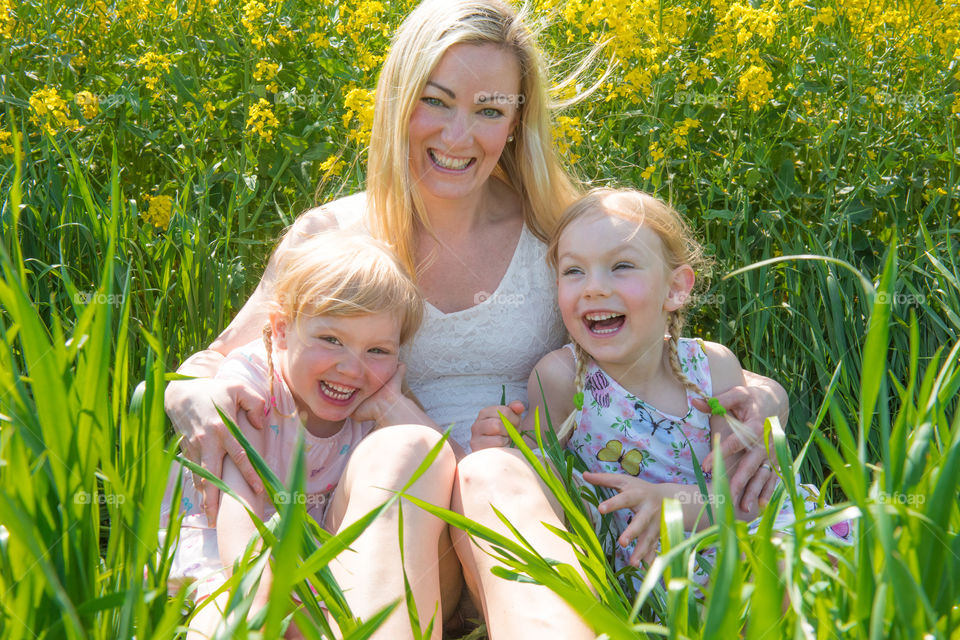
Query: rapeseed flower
x: 567, y: 133
x: 332, y: 166
x: 359, y: 104
x: 89, y: 104
x: 8, y: 19
x: 50, y: 109
x: 159, y: 211
x: 262, y: 121
x: 754, y: 86
x: 5, y: 146
x: 267, y: 71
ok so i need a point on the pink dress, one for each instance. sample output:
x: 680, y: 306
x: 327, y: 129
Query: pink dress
x: 618, y: 432
x: 196, y: 557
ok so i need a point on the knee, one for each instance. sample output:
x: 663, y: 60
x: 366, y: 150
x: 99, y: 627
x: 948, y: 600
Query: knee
x: 489, y: 473
x: 400, y: 449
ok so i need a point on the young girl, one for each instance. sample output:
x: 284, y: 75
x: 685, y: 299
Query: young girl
x: 342, y: 305
x: 625, y: 266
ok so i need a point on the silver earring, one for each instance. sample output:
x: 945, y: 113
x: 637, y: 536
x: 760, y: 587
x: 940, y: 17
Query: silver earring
x: 510, y: 138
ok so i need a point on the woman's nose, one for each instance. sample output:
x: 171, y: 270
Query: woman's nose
x: 456, y: 130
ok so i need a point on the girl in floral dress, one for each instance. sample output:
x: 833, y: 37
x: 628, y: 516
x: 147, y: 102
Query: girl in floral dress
x: 626, y: 266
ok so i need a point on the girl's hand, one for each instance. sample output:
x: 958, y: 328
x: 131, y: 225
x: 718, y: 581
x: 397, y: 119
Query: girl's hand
x: 488, y: 431
x: 387, y: 405
x: 753, y: 480
x: 190, y: 404
x: 645, y: 499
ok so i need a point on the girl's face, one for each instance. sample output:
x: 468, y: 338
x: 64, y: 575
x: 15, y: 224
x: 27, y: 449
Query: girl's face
x: 333, y: 363
x: 615, y: 288
x: 459, y: 127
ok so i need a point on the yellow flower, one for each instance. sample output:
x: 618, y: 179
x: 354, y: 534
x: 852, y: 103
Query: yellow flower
x: 656, y: 152
x: 332, y: 166
x: 159, y: 210
x: 253, y: 11
x: 359, y: 104
x: 151, y: 61
x: 50, y: 109
x: 648, y: 172
x: 8, y: 19
x: 210, y: 109
x: 825, y: 16
x: 754, y: 86
x: 567, y: 133
x: 262, y: 121
x: 5, y: 146
x: 265, y: 70
x: 89, y: 104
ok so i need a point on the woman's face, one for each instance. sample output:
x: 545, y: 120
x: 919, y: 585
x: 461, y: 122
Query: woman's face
x: 460, y: 125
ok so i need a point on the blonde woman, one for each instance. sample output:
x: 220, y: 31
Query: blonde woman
x: 465, y: 184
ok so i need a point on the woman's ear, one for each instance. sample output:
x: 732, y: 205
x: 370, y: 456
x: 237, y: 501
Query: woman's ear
x: 681, y: 284
x: 278, y: 330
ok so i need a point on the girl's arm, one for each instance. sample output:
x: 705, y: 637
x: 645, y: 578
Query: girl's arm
x: 751, y: 477
x: 556, y: 372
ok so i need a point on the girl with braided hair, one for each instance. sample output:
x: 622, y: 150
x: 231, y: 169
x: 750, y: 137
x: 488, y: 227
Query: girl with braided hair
x: 626, y: 264
x: 342, y: 306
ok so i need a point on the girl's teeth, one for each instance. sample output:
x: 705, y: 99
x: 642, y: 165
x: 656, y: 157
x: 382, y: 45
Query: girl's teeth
x: 447, y: 162
x: 337, y: 391
x: 596, y: 317
x: 604, y: 330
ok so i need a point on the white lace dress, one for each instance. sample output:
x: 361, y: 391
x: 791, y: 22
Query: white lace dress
x: 459, y: 363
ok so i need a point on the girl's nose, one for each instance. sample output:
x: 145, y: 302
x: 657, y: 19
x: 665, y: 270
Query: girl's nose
x: 350, y: 365
x: 596, y: 285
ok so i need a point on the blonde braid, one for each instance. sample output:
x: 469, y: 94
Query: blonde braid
x: 674, y: 325
x: 570, y: 422
x: 272, y: 400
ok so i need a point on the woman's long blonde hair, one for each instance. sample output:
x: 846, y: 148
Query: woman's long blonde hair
x: 345, y: 274
x: 529, y: 163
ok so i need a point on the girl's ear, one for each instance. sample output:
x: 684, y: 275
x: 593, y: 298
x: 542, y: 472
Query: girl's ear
x: 278, y: 329
x: 681, y: 284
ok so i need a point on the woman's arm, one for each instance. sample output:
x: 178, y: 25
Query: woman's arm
x: 751, y: 399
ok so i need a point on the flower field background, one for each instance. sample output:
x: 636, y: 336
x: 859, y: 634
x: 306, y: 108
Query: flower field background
x: 151, y: 154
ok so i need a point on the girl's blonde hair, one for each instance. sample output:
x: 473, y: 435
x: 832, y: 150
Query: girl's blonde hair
x: 529, y: 163
x: 680, y: 246
x: 342, y: 273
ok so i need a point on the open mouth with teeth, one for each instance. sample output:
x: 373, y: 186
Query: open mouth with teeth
x: 449, y: 163
x: 603, y: 323
x: 337, y: 393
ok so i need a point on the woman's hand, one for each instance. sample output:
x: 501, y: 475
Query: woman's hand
x: 645, y: 499
x: 488, y: 431
x: 753, y: 480
x: 191, y: 406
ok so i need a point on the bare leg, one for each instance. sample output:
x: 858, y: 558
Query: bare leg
x: 502, y: 478
x: 370, y: 574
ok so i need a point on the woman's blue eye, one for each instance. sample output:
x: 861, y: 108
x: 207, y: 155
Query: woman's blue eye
x: 433, y: 102
x: 490, y: 112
